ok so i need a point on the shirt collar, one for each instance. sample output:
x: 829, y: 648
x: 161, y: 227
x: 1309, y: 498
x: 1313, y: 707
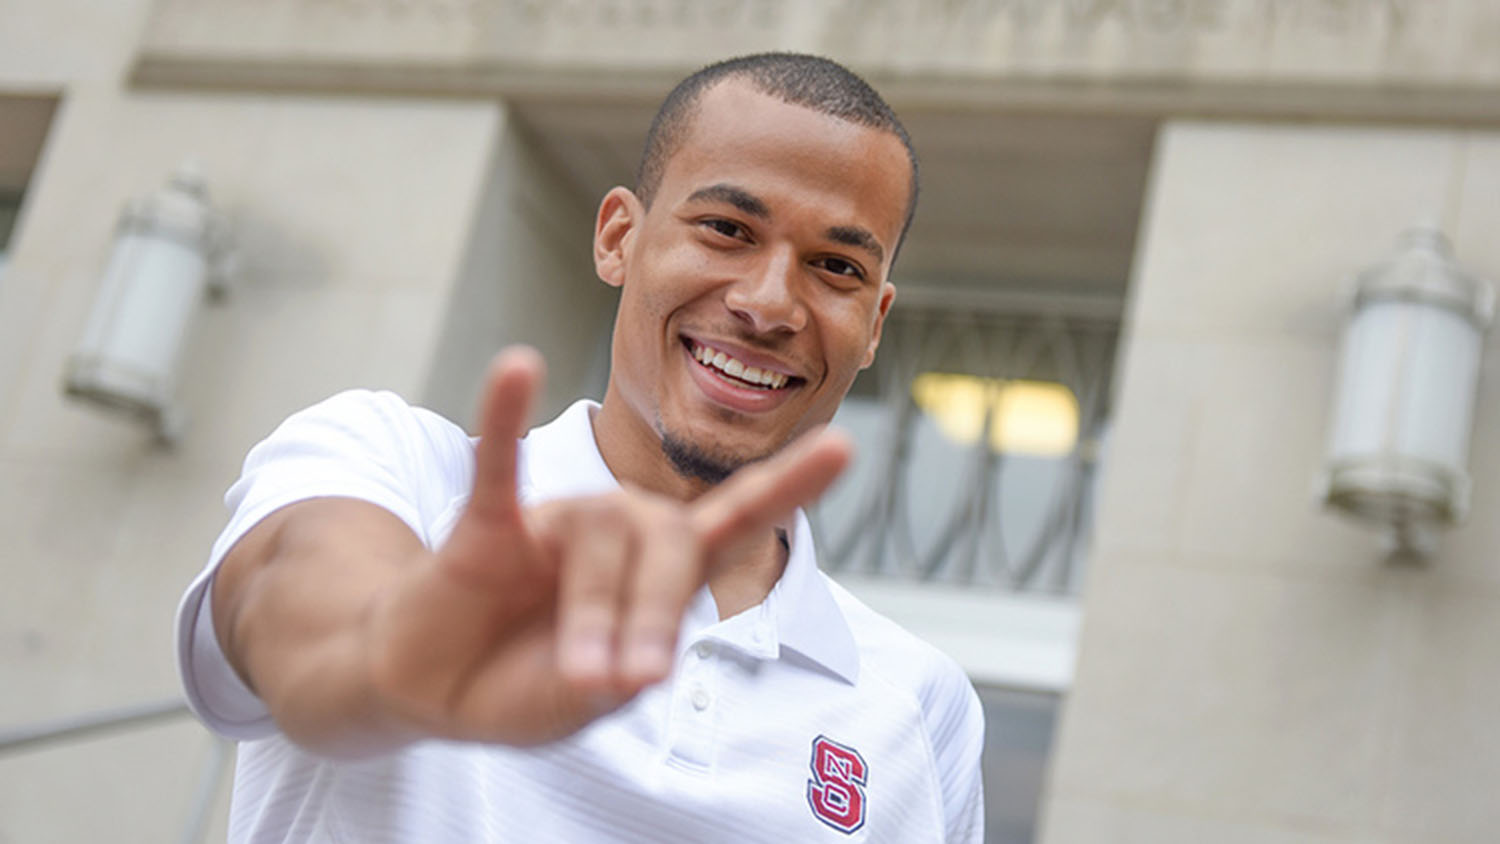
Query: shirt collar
x: 562, y: 459
x: 808, y: 619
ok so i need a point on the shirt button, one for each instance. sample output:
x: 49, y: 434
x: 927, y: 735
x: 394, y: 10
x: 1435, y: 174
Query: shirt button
x: 703, y: 649
x: 700, y: 698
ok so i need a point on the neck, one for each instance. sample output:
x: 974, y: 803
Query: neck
x: 741, y: 575
x: 631, y: 448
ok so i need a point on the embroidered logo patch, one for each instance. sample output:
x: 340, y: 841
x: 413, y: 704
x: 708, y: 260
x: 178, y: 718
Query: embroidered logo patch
x: 836, y: 791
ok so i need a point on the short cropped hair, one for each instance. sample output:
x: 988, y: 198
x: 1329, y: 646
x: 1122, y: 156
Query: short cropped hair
x: 810, y: 81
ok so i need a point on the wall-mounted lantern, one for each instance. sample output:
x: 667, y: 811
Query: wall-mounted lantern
x: 1408, y: 371
x: 169, y: 248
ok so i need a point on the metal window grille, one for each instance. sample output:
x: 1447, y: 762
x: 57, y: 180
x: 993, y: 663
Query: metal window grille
x: 961, y: 523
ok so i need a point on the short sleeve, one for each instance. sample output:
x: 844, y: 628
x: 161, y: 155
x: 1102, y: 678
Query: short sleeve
x: 955, y: 725
x: 358, y: 444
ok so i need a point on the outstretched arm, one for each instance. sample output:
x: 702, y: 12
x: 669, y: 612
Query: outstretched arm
x: 525, y: 626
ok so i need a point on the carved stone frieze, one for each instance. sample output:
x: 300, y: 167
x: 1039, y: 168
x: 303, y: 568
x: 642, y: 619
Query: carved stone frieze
x: 1250, y: 50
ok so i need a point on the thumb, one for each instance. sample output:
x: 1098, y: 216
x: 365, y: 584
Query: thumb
x: 760, y: 495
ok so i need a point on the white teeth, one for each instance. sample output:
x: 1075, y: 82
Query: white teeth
x: 737, y: 369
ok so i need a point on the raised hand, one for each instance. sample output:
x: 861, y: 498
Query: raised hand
x: 530, y: 623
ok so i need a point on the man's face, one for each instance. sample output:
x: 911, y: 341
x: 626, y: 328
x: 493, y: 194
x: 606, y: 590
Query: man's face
x: 754, y: 289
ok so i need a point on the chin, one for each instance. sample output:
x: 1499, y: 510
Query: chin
x: 707, y: 458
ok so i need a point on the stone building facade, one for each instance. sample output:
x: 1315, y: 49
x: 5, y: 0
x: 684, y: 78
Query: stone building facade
x: 410, y: 185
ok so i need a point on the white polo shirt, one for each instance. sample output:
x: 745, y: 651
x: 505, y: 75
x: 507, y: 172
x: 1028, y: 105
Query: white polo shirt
x: 807, y: 718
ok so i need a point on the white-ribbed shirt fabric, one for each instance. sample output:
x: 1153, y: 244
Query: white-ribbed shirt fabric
x: 728, y: 749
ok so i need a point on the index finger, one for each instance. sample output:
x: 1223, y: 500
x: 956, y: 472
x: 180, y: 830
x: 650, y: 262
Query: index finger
x: 510, y: 385
x: 761, y: 494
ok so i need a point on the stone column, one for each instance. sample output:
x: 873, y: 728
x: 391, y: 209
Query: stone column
x: 1252, y: 669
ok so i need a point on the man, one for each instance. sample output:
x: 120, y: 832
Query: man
x: 426, y: 637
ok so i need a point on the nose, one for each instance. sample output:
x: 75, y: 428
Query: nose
x: 767, y: 300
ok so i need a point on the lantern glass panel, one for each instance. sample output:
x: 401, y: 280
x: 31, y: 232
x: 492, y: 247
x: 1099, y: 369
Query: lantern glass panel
x: 1370, y: 374
x: 1438, y: 382
x: 153, y: 313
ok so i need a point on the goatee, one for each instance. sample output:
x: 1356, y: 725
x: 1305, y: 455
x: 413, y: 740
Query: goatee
x: 691, y: 460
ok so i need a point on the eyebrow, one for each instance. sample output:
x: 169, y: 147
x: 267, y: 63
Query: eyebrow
x: 751, y: 204
x: 736, y: 196
x: 858, y: 237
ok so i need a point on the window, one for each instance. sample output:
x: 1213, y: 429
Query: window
x: 979, y: 440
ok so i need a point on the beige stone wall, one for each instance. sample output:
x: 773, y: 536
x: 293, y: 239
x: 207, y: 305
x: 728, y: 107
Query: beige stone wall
x: 1356, y: 40
x: 1251, y: 669
x: 1427, y: 60
x: 348, y: 257
x: 526, y: 276
x: 356, y: 222
x: 68, y: 42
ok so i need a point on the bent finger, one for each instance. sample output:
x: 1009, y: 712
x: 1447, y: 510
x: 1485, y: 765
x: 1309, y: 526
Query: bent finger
x: 669, y: 568
x: 594, y: 561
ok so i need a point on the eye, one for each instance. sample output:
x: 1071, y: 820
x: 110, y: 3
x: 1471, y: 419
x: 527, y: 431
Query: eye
x: 727, y: 228
x: 839, y: 266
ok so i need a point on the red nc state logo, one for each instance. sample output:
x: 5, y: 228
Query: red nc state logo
x: 836, y: 791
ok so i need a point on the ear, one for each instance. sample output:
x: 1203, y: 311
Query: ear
x: 620, y: 212
x: 887, y: 296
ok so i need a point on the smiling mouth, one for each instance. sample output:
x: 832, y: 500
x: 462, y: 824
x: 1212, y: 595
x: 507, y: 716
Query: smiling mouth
x: 736, y: 372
